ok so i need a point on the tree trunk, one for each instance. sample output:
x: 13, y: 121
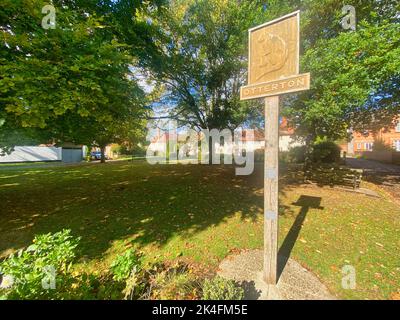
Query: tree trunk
x: 102, y: 151
x: 210, y: 150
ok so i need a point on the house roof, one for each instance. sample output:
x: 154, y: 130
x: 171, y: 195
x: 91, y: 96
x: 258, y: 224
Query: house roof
x: 247, y: 134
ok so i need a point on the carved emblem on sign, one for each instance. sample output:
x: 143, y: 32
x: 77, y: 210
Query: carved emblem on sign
x: 274, y: 50
x: 272, y: 55
x: 274, y: 59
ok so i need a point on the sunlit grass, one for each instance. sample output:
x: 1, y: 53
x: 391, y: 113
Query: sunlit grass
x: 202, y: 214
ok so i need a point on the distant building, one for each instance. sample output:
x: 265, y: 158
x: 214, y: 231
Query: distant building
x: 287, y: 138
x: 45, y: 153
x: 251, y: 139
x: 364, y: 141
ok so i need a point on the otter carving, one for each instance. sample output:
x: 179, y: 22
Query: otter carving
x: 272, y: 56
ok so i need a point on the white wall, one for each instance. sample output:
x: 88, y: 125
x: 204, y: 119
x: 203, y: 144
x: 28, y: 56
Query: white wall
x: 27, y: 154
x: 287, y: 142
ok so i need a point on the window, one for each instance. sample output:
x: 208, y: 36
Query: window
x: 396, y: 144
x: 369, y: 146
x: 398, y: 127
x: 358, y: 146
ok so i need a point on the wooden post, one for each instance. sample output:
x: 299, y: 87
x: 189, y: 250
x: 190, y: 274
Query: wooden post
x: 274, y: 49
x: 271, y: 167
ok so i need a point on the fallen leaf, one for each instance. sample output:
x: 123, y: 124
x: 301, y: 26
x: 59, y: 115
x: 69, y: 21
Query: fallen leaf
x: 395, y: 296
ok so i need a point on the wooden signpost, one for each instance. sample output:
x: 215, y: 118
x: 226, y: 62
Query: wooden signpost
x: 273, y: 70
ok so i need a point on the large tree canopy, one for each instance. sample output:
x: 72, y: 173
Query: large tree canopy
x: 355, y: 74
x: 355, y: 82
x: 74, y: 81
x: 197, y: 54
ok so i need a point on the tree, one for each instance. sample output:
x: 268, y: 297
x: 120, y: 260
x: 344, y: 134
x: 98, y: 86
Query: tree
x: 355, y: 75
x: 71, y: 81
x: 198, y: 56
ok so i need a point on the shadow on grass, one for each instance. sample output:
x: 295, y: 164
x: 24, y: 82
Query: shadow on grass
x: 305, y: 203
x: 142, y: 204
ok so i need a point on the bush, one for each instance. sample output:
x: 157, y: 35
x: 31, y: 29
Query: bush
x: 127, y: 268
x: 45, y: 270
x: 219, y: 288
x: 380, y: 145
x: 116, y: 149
x: 297, y: 154
x: 135, y: 150
x: 326, y: 152
x: 178, y: 281
x: 285, y: 157
x: 259, y: 155
x: 125, y: 264
x: 34, y: 272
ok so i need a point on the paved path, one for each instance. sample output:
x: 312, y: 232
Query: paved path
x: 295, y: 282
x: 386, y: 176
x: 371, y: 166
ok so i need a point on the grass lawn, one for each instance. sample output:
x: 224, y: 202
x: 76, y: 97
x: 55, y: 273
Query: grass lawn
x: 202, y: 214
x: 30, y: 163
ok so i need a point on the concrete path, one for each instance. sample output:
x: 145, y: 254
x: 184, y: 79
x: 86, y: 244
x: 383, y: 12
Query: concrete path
x: 384, y: 175
x: 372, y: 166
x: 295, y: 282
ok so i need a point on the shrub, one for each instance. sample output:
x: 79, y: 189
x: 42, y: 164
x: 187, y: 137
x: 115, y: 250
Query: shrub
x: 135, y: 150
x: 284, y: 156
x: 297, y: 154
x: 35, y: 272
x: 259, y: 155
x: 219, y: 288
x: 326, y: 152
x: 123, y: 265
x: 173, y: 282
x: 116, y: 149
x: 380, y: 145
x: 127, y: 268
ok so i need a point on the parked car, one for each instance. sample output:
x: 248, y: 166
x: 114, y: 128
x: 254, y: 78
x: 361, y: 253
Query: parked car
x: 96, y: 155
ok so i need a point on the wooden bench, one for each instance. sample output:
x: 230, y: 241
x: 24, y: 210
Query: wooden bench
x: 335, y: 176
x: 353, y: 178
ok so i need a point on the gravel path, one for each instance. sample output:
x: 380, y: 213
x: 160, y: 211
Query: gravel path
x: 295, y: 282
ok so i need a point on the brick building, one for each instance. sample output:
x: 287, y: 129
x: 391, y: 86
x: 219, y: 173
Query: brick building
x: 363, y: 142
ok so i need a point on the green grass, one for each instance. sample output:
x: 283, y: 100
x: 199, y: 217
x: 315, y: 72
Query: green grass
x: 36, y: 163
x: 201, y: 214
